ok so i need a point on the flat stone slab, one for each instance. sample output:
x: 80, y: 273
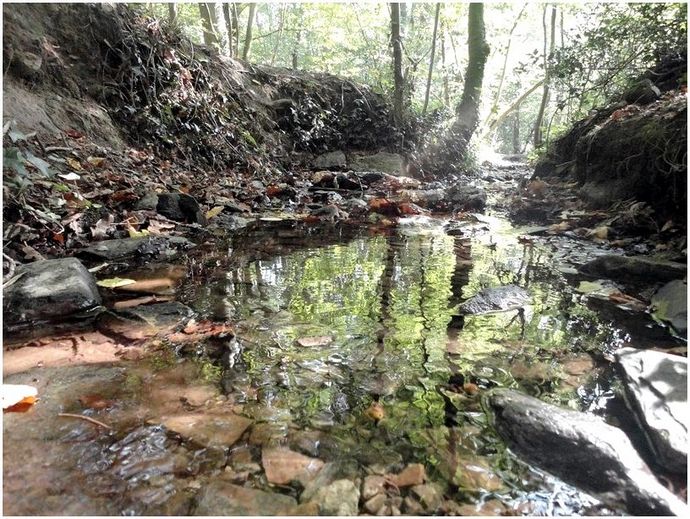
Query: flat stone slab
x: 332, y: 159
x: 49, y: 290
x: 670, y: 304
x: 582, y: 450
x: 208, y: 429
x: 112, y: 250
x: 221, y: 498
x: 634, y: 268
x: 385, y: 162
x: 656, y: 386
x: 497, y: 299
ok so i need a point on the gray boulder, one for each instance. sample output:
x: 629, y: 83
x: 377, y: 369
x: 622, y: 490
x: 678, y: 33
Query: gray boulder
x: 670, y: 304
x: 497, y: 299
x: 331, y: 160
x: 582, y: 450
x: 466, y: 198
x: 634, y: 268
x: 385, y: 162
x: 49, y: 290
x: 176, y: 206
x: 656, y: 387
x: 339, y: 498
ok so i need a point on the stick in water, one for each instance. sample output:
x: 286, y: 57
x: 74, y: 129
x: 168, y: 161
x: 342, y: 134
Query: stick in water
x: 87, y: 418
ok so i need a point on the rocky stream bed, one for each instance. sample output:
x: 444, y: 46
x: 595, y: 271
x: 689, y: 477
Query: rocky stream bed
x: 443, y: 364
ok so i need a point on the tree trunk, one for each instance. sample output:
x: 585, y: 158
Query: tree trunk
x: 467, y: 113
x: 513, y: 106
x: 229, y: 29
x: 446, y: 89
x: 295, y: 50
x: 516, y: 131
x: 547, y: 57
x: 219, y: 26
x: 248, y: 36
x: 431, y: 59
x: 236, y: 27
x: 398, y: 94
x: 209, y: 30
x: 281, y: 23
x: 172, y: 13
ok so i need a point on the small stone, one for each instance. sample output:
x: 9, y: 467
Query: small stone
x: 283, y: 466
x: 412, y: 506
x: 413, y: 474
x: 372, y: 486
x: 339, y: 498
x: 395, y: 510
x: 309, y: 509
x: 375, y: 504
x: 429, y: 496
x: 384, y: 510
x: 217, y: 430
x: 222, y: 498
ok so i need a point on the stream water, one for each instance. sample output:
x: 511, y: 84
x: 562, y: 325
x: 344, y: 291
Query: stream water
x: 349, y: 348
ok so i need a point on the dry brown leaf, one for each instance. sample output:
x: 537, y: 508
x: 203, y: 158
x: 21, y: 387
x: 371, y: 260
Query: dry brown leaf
x: 212, y: 213
x: 559, y: 227
x: 30, y: 253
x: 74, y: 164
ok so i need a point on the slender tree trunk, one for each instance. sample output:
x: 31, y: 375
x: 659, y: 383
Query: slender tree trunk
x: 446, y: 89
x: 209, y: 30
x: 547, y: 57
x: 281, y: 24
x: 236, y: 27
x: 516, y: 131
x: 219, y: 27
x: 229, y: 29
x: 431, y: 58
x: 248, y: 36
x: 478, y: 49
x: 172, y: 13
x: 497, y: 98
x: 513, y: 106
x: 398, y: 94
x: 295, y: 49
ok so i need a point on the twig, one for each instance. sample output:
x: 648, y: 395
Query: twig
x: 87, y: 418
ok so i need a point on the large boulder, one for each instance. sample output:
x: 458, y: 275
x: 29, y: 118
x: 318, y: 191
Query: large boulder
x: 634, y: 269
x: 331, y: 160
x: 180, y: 207
x: 581, y: 449
x: 670, y: 304
x: 385, y: 162
x: 49, y: 290
x: 466, y: 198
x: 656, y: 386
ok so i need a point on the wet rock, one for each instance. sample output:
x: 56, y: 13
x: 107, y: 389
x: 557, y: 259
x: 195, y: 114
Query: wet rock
x: 376, y: 503
x: 429, y: 496
x: 162, y: 316
x: 625, y: 268
x: 339, y: 498
x: 231, y: 222
x: 208, y: 429
x: 332, y: 471
x: 49, y: 290
x: 268, y: 433
x: 466, y: 198
x: 656, y: 392
x: 150, y: 246
x: 582, y: 450
x: 385, y: 162
x: 330, y: 160
x: 305, y: 509
x: 413, y: 474
x: 221, y: 498
x: 497, y: 299
x: 369, y: 177
x: 412, y: 507
x: 283, y: 466
x: 176, y: 206
x: 372, y: 486
x: 474, y: 474
x: 670, y: 304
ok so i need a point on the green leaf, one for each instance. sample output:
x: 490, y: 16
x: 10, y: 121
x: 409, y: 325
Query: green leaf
x: 14, y: 159
x: 40, y: 164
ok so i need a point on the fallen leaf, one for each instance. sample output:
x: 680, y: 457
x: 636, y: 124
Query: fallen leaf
x: 157, y: 226
x: 18, y: 398
x: 30, y: 253
x: 559, y: 227
x: 309, y: 342
x: 96, y: 161
x: 96, y: 402
x: 212, y: 213
x: 375, y: 412
x: 114, y: 282
x: 74, y: 134
x: 74, y: 164
x: 69, y: 176
x: 599, y: 233
x: 133, y: 233
x: 668, y: 225
x: 102, y: 227
x: 162, y: 285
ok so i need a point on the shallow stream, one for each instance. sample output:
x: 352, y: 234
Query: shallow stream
x: 349, y: 347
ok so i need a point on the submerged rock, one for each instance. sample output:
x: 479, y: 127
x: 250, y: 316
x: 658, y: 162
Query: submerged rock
x: 113, y: 250
x: 208, y: 429
x: 339, y: 498
x: 49, y: 290
x: 626, y: 268
x: 497, y: 299
x: 656, y: 386
x: 221, y: 498
x: 670, y: 304
x: 283, y: 466
x: 582, y: 450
